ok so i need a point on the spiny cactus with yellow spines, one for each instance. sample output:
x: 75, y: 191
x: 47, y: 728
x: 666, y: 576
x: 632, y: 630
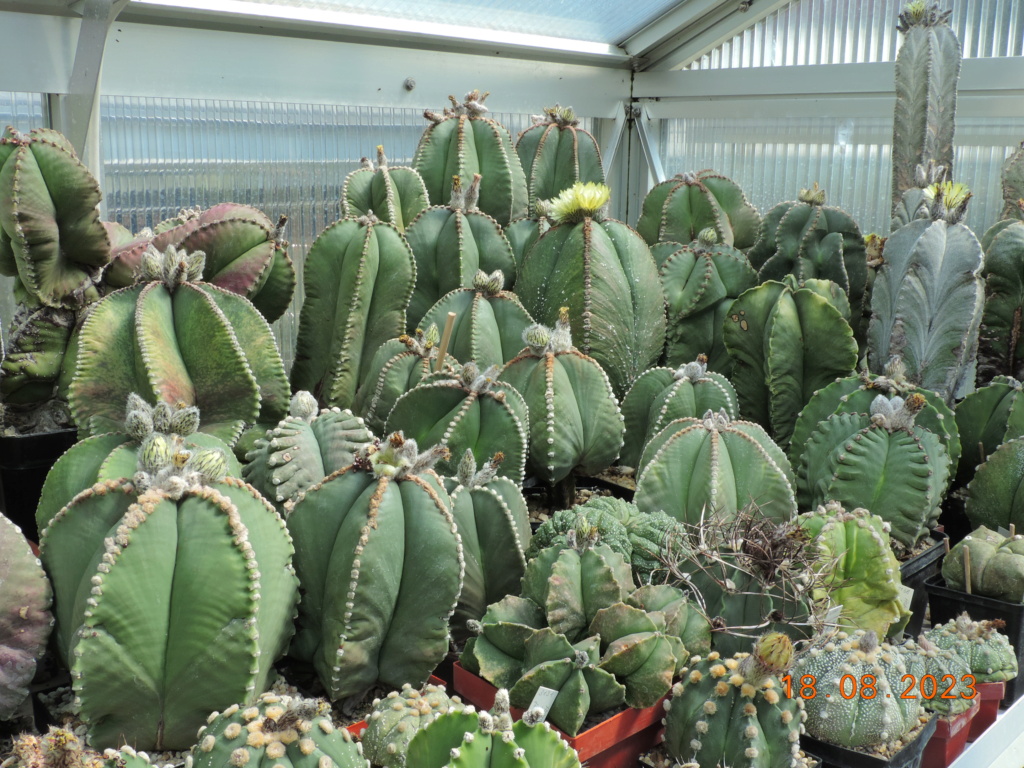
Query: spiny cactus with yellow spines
x: 398, y: 717
x: 392, y: 193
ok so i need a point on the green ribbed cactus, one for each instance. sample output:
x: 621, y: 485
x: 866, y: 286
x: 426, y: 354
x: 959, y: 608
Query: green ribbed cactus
x: 575, y: 422
x: 881, y: 461
x: 489, y: 321
x: 451, y: 244
x: 144, y: 603
x: 173, y: 338
x: 463, y: 141
x: 358, y: 278
x: 951, y: 692
x: 471, y: 739
x: 787, y: 342
x: 275, y: 730
x: 1001, y: 349
x: 997, y: 565
x: 680, y: 613
x: 398, y: 717
x: 381, y: 564
x: 1013, y: 184
x: 986, y: 419
x: 857, y: 721
x: 927, y: 298
x: 126, y: 251
x: 523, y: 233
x: 604, y: 273
x: 678, y: 209
x: 734, y: 711
x: 395, y: 195
x: 556, y: 153
x: 980, y: 643
x: 305, y: 447
x: 927, y: 70
x: 661, y: 395
x: 993, y: 495
x: 714, y: 467
x: 25, y: 618
x: 700, y: 281
x: 35, y: 351
x: 496, y: 652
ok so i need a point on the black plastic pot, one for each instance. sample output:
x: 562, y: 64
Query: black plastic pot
x: 833, y: 756
x: 915, y: 572
x: 949, y: 603
x: 24, y: 462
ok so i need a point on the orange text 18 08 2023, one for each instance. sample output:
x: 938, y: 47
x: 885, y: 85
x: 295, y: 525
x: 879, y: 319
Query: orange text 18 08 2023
x: 925, y: 687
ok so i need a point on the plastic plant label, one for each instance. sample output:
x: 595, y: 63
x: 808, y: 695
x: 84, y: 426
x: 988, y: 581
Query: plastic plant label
x: 832, y: 617
x: 906, y: 595
x: 543, y: 700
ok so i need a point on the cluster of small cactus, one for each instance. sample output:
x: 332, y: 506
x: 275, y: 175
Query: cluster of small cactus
x: 62, y: 748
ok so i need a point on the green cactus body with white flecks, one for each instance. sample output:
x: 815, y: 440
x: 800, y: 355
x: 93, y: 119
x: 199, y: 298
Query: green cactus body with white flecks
x: 986, y: 650
x: 949, y: 692
x: 398, y: 717
x: 381, y: 564
x: 997, y: 565
x: 396, y: 195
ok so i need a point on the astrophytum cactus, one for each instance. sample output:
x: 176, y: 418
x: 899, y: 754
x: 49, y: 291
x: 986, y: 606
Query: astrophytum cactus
x: 398, y: 717
x: 980, y: 643
x: 392, y: 194
x: 949, y: 692
x: 987, y: 418
x: 1001, y: 349
x: 62, y: 748
x: 1013, y: 184
x: 35, y: 352
x: 993, y: 494
x: 997, y: 565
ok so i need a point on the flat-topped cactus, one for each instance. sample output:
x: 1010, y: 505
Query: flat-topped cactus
x: 986, y: 650
x: 987, y: 418
x: 496, y: 652
x: 396, y: 194
x: 398, y: 717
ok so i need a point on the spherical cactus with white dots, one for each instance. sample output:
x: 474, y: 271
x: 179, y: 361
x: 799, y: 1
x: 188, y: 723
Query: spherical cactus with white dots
x: 275, y: 731
x: 398, y: 717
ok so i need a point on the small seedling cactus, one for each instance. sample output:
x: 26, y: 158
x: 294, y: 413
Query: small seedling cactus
x: 396, y: 195
x: 980, y: 643
x: 398, y: 717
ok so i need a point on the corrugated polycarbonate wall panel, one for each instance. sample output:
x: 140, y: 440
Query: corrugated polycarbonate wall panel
x: 162, y: 155
x: 858, y: 31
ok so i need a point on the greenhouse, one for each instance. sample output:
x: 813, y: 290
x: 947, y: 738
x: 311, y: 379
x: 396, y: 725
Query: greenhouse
x: 493, y: 384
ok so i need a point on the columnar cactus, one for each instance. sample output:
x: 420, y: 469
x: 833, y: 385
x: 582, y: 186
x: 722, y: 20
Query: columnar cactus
x: 523, y: 233
x: 398, y: 717
x: 463, y: 141
x: 980, y: 643
x: 275, y: 730
x: 173, y: 338
x: 700, y: 281
x: 735, y: 711
x: 604, y: 273
x: 993, y: 497
x: 1013, y: 184
x: 575, y: 422
x: 160, y: 621
x: 997, y: 565
x: 987, y: 418
x: 358, y: 278
x: 678, y: 209
x: 25, y: 618
x: 381, y: 564
x: 1001, y: 349
x: 451, y: 243
x: 395, y: 195
x: 556, y: 153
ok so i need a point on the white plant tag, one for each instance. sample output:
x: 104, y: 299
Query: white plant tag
x: 906, y: 595
x: 1003, y: 531
x: 832, y: 617
x: 543, y: 700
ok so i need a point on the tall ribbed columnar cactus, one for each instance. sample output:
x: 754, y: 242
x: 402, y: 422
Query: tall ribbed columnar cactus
x: 1001, y: 348
x: 987, y: 418
x: 926, y: 302
x: 556, y: 153
x: 700, y: 281
x: 604, y: 273
x: 927, y: 70
x: 463, y: 141
x: 395, y: 195
x: 787, y: 340
x: 174, y: 594
x: 451, y: 244
x: 575, y: 422
x: 358, y: 278
x: 1013, y: 184
x: 380, y: 562
x: 25, y: 618
x: 173, y: 338
x: 678, y: 209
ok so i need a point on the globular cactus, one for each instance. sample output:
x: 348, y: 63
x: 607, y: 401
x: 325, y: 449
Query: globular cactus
x: 1001, y: 350
x: 36, y: 350
x: 700, y: 280
x: 987, y: 418
x: 949, y: 692
x: 61, y: 748
x: 25, y: 618
x: 661, y: 395
x: 159, y: 621
x: 396, y: 195
x: 358, y: 278
x: 734, y: 711
x: 305, y: 447
x: 51, y: 237
x: 463, y: 409
x: 575, y: 422
x: 381, y: 564
x: 496, y: 652
x: 678, y: 209
x: 489, y: 321
x: 787, y: 340
x: 398, y: 717
x: 992, y: 496
x: 881, y: 461
x: 713, y: 467
x: 680, y: 612
x: 1013, y: 184
x: 604, y: 273
x: 927, y: 70
x: 451, y: 243
x: 556, y: 153
x: 926, y: 302
x: 986, y: 650
x: 275, y: 730
x: 471, y: 739
x: 863, y: 720
x: 463, y: 141
x: 997, y: 565
x: 173, y: 338
x: 860, y: 571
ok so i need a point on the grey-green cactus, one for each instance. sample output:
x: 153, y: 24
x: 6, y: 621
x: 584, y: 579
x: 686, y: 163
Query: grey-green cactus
x: 997, y: 565
x: 381, y: 564
x: 358, y: 278
x: 986, y: 650
x: 275, y: 730
x: 1013, y: 184
x: 993, y: 495
x: 398, y: 717
x: 463, y: 141
x: 523, y: 233
x: 678, y: 209
x: 604, y: 273
x: 1001, y: 350
x: 396, y: 195
x: 34, y: 354
x: 986, y: 419
x: 949, y: 692
x: 496, y: 652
